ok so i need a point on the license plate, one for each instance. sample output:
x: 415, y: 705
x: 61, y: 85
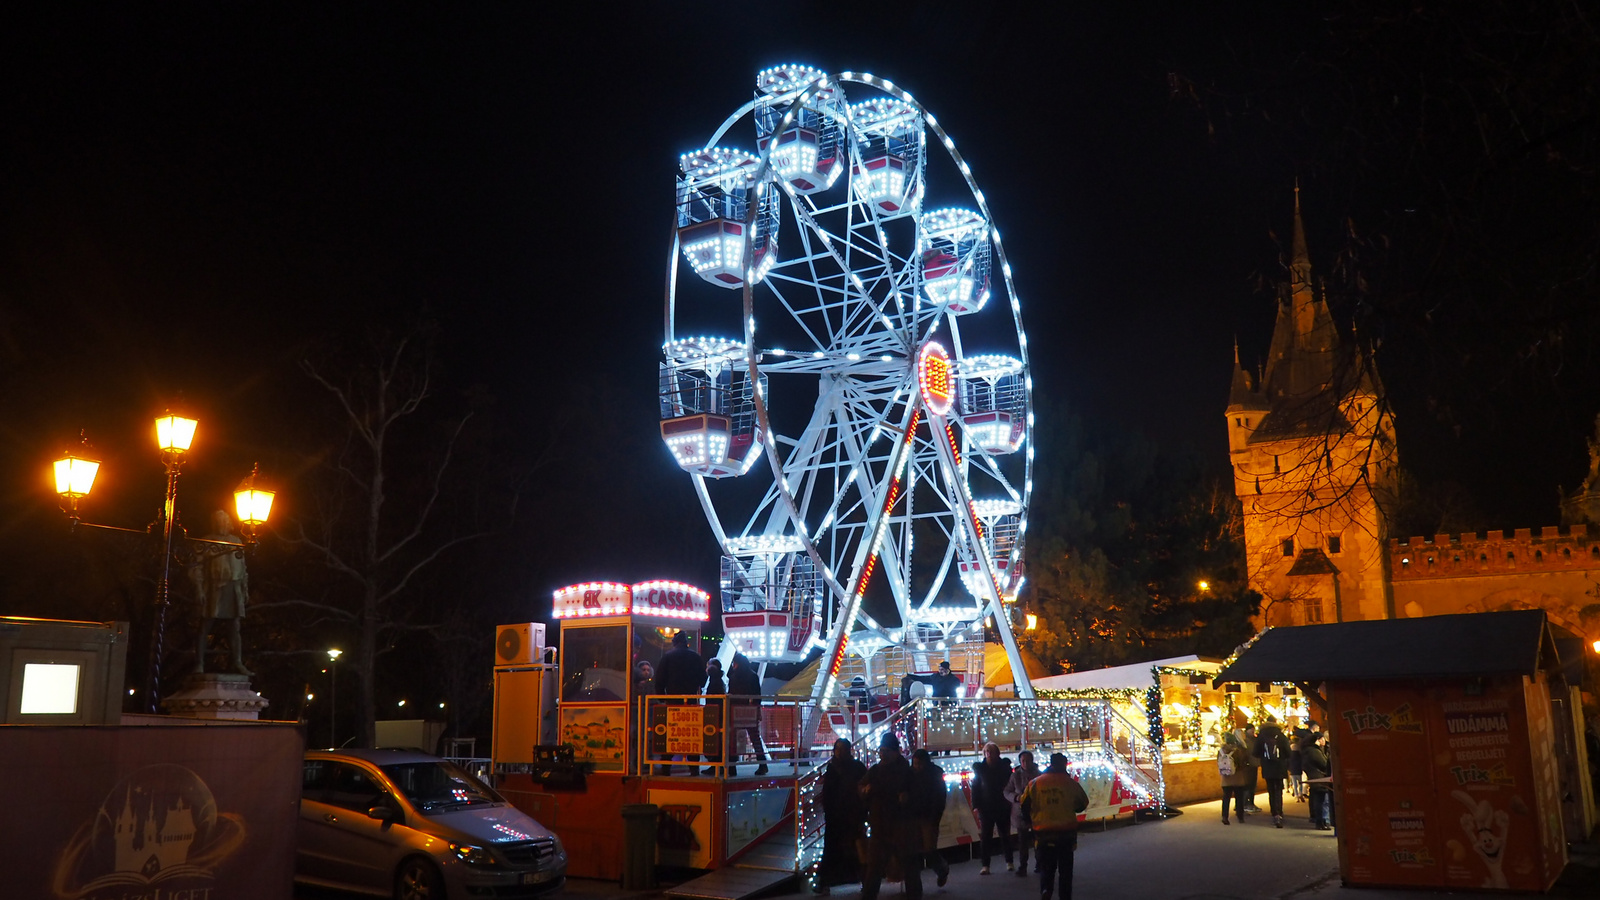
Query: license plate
x: 530, y: 877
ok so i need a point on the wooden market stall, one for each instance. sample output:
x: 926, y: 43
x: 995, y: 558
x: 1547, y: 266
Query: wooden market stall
x: 1453, y: 742
x: 1193, y: 713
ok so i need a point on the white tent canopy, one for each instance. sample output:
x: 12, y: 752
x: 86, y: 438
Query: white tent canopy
x: 1133, y: 675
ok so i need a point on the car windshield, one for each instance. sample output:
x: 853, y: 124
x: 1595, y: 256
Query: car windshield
x: 438, y: 785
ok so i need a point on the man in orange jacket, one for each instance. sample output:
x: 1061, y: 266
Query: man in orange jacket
x: 1052, y: 803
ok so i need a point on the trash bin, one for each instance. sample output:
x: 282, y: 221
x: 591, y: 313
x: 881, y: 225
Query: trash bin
x: 639, y: 846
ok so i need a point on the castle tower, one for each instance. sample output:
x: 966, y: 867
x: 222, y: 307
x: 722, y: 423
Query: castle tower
x: 1312, y: 445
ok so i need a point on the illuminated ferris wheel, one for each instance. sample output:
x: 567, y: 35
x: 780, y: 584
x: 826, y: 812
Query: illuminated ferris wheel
x: 856, y: 424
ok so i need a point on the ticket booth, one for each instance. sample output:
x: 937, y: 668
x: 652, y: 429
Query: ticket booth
x: 583, y: 770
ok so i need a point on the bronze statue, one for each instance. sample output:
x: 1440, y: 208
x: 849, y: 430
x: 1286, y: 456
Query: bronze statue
x: 223, y: 586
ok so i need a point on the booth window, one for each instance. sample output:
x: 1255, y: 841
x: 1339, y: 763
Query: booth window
x: 1334, y: 544
x: 49, y: 689
x: 594, y: 664
x: 1288, y: 546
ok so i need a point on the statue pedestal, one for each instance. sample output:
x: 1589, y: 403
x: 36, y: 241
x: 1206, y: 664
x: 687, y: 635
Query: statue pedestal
x: 215, y: 695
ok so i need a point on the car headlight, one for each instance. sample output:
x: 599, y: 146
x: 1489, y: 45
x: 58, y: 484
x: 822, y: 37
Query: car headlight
x: 474, y: 855
x: 560, y: 850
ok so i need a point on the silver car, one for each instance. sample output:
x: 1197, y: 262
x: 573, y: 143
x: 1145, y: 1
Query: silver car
x: 415, y: 827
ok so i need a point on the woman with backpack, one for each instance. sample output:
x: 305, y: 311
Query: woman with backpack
x: 1234, y: 774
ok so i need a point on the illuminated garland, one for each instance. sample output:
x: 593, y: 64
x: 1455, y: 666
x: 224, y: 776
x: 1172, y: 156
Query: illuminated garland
x: 1152, y: 711
x: 1193, y: 732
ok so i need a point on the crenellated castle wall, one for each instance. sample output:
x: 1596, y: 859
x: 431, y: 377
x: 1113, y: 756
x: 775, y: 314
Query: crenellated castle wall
x: 1553, y: 549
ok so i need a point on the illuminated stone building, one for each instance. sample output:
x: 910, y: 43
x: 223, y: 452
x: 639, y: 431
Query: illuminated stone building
x: 1314, y: 457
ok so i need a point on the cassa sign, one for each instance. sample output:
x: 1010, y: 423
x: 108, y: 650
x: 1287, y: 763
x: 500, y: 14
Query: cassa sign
x: 672, y: 599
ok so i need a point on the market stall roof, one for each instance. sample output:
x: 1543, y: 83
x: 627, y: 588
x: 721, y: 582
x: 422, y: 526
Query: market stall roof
x: 1458, y: 646
x: 1133, y: 675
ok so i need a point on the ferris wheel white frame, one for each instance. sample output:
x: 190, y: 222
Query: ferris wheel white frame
x: 895, y: 374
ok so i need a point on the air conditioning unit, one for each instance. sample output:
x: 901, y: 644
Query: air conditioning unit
x: 519, y: 645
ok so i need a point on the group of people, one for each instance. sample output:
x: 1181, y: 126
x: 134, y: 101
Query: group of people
x: 884, y: 821
x: 1301, y: 760
x: 682, y: 672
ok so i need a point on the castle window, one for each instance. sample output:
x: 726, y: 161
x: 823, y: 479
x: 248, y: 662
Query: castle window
x: 1457, y: 558
x: 1275, y: 464
x: 1334, y: 544
x: 1594, y: 552
x: 1247, y: 422
x: 1511, y: 557
x: 1430, y: 562
x: 1313, y: 610
x: 1405, y: 562
x: 1287, y: 545
x: 1483, y: 557
x: 1566, y: 552
x: 1538, y: 556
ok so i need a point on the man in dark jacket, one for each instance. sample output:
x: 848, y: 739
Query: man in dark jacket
x: 887, y: 792
x: 681, y: 672
x: 928, y: 799
x: 745, y: 685
x: 1272, y: 750
x: 990, y: 776
x: 1319, y: 782
x: 842, y: 815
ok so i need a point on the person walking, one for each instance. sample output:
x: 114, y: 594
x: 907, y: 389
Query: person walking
x: 1247, y: 743
x: 842, y: 815
x: 1052, y: 803
x: 680, y: 672
x: 989, y: 778
x: 745, y: 685
x: 929, y: 796
x: 1231, y: 769
x: 715, y: 690
x: 1023, y: 775
x: 1319, y: 781
x: 886, y: 789
x: 1298, y: 738
x: 1272, y: 749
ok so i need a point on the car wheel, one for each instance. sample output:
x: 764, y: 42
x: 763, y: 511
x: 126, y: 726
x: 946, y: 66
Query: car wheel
x: 417, y: 879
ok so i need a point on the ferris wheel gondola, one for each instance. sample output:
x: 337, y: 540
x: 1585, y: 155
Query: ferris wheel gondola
x: 868, y: 363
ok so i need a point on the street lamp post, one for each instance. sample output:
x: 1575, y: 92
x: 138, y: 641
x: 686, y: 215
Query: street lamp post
x: 75, y: 473
x: 333, y: 697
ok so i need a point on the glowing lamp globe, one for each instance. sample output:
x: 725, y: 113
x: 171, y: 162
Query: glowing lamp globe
x: 253, y: 504
x: 174, y: 434
x: 75, y: 475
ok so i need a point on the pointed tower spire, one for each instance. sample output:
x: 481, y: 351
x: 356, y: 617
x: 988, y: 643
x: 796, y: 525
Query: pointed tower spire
x: 1301, y: 295
x: 1300, y: 266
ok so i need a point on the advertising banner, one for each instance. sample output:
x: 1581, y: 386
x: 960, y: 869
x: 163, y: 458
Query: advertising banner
x: 1392, y: 834
x: 1381, y: 734
x: 683, y: 828
x: 116, y: 813
x: 1484, y: 788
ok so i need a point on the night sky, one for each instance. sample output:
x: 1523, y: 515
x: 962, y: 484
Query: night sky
x: 190, y: 196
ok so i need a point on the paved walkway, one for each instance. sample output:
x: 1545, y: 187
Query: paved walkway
x: 1187, y: 857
